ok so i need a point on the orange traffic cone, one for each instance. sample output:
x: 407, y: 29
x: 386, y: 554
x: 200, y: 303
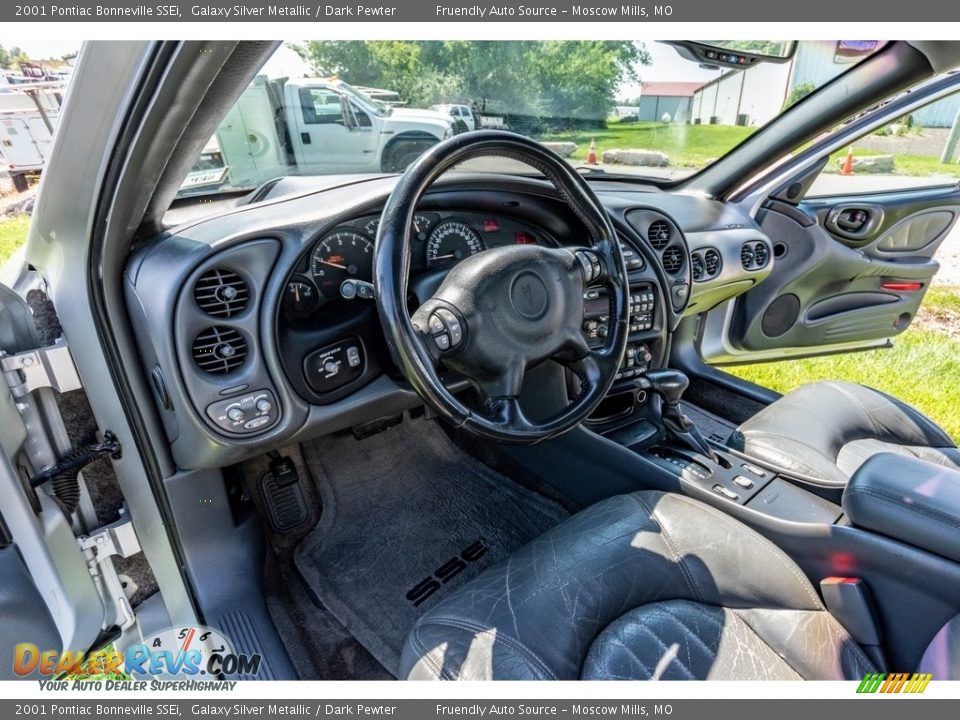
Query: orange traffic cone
x: 847, y: 168
x: 592, y: 153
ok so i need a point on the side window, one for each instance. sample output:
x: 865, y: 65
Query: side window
x: 320, y: 107
x: 918, y: 150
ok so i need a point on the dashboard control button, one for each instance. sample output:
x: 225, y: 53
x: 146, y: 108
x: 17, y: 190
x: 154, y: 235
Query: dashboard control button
x: 235, y: 414
x: 257, y: 422
x: 334, y: 366
x: 744, y: 482
x: 353, y: 356
x: 726, y: 492
x: 264, y: 406
x: 754, y: 469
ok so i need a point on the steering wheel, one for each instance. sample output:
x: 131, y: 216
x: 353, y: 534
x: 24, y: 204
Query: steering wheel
x: 505, y: 309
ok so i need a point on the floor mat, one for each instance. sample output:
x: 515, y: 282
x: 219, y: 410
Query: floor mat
x: 407, y: 518
x: 710, y: 426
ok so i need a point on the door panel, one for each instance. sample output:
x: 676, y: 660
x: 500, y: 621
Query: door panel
x: 850, y: 273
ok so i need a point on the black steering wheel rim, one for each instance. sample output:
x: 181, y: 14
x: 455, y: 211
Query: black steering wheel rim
x: 501, y: 418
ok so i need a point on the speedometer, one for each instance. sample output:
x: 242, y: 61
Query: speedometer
x: 340, y: 255
x: 450, y: 242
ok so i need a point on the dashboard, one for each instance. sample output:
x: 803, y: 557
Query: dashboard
x: 249, y: 344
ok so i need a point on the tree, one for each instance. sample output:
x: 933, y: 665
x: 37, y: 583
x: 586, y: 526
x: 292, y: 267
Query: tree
x: 4, y: 58
x: 560, y: 79
x: 798, y: 93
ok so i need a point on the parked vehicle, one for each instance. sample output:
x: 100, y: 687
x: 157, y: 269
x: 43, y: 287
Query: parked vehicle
x: 313, y: 126
x: 28, y: 119
x: 462, y: 115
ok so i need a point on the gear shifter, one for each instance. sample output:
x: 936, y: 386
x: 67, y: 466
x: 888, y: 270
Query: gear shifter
x: 669, y: 385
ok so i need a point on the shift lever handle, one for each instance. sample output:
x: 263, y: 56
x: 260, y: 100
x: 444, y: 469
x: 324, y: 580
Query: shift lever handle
x: 669, y: 385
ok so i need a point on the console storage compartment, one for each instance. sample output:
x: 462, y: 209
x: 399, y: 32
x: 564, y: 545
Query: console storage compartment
x: 908, y: 499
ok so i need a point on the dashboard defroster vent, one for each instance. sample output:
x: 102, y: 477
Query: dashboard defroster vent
x: 697, y: 268
x: 711, y: 262
x: 754, y: 255
x: 219, y: 350
x: 705, y: 264
x: 672, y: 260
x: 221, y: 293
x: 659, y: 234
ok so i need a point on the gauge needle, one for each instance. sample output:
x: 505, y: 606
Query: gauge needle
x: 445, y: 257
x: 327, y: 262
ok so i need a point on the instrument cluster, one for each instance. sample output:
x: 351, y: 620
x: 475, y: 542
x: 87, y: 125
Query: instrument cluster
x: 439, y: 241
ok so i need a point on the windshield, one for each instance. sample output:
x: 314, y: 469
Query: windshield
x: 629, y: 108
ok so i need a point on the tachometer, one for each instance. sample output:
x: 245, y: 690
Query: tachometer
x: 450, y: 242
x: 340, y: 255
x: 420, y: 225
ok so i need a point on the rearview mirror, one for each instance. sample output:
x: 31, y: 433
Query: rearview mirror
x: 734, y: 53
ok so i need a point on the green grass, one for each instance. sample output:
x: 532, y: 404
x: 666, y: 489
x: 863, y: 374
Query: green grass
x: 685, y: 145
x: 923, y: 367
x: 913, y: 165
x: 13, y: 233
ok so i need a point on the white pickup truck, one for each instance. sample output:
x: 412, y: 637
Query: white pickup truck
x: 318, y: 126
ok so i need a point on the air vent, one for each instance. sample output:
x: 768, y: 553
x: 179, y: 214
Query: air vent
x: 754, y: 255
x: 672, y: 260
x: 219, y: 350
x: 711, y: 262
x: 760, y: 254
x: 696, y: 266
x: 659, y: 234
x: 221, y: 293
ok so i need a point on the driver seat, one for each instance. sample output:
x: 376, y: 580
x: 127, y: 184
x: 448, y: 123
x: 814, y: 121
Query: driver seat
x: 641, y: 586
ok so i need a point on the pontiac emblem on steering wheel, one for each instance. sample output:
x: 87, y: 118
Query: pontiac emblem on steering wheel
x: 529, y: 295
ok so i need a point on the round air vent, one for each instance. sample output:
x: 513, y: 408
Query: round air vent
x: 697, y: 267
x: 672, y: 259
x: 747, y: 257
x: 761, y: 255
x: 711, y: 263
x: 219, y: 350
x: 221, y: 293
x: 659, y: 234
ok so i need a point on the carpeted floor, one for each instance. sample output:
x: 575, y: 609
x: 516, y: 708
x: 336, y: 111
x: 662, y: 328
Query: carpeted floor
x: 407, y: 517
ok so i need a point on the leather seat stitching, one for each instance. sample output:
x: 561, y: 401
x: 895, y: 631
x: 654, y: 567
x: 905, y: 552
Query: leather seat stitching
x: 511, y: 643
x: 684, y: 571
x: 878, y: 429
x: 643, y: 626
x: 764, y: 544
x: 618, y: 642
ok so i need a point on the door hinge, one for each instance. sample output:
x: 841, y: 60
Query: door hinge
x: 50, y: 366
x: 118, y: 539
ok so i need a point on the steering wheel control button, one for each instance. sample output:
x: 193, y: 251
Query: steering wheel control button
x: 445, y: 328
x: 334, y: 366
x: 245, y: 414
x: 528, y: 294
x: 451, y: 325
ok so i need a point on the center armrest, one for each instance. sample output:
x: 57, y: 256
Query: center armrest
x: 909, y: 499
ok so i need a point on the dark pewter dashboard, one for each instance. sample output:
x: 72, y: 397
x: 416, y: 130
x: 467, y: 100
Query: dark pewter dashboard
x: 249, y: 344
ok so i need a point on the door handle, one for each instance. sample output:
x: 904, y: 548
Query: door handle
x: 854, y: 222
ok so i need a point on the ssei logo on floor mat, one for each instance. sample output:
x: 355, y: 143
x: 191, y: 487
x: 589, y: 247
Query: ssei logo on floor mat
x: 446, y: 572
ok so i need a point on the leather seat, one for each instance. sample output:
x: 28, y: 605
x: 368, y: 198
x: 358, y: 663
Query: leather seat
x: 826, y: 430
x: 640, y: 586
